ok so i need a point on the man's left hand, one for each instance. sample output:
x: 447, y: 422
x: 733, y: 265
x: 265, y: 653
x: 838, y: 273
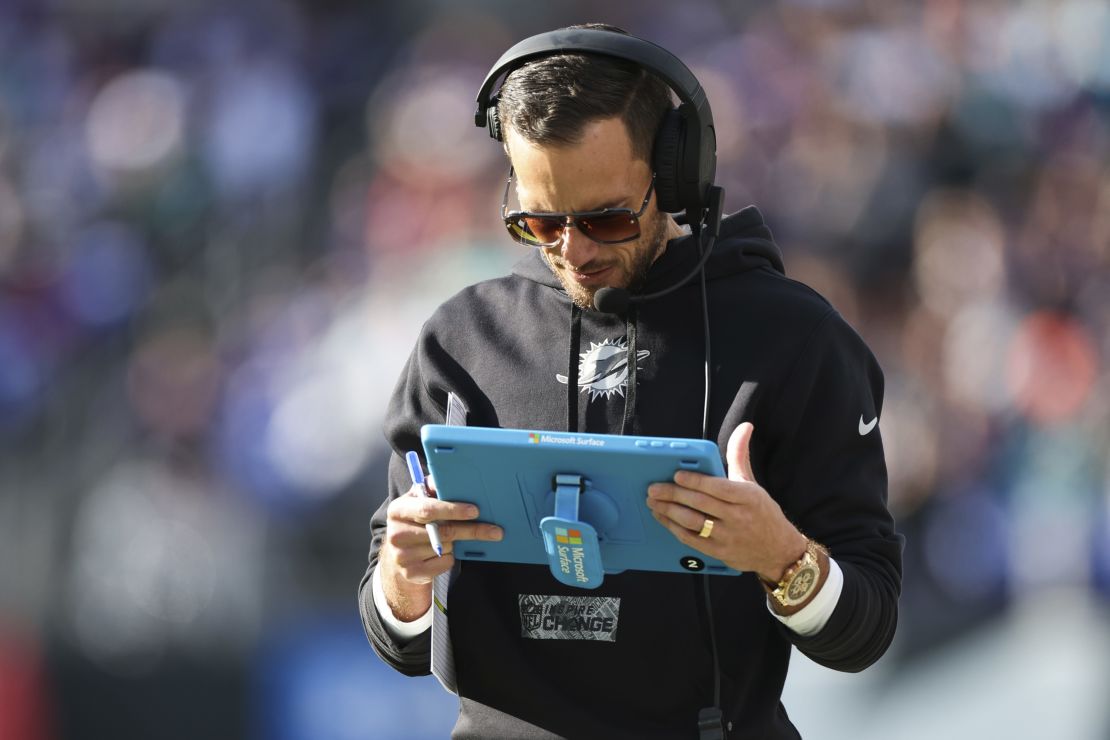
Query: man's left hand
x: 749, y: 531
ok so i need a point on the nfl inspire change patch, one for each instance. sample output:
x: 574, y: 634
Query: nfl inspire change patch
x: 546, y: 617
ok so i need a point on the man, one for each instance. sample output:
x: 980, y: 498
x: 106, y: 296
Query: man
x: 795, y: 401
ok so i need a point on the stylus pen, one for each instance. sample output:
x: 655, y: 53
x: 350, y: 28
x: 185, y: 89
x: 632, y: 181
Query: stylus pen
x: 417, y: 476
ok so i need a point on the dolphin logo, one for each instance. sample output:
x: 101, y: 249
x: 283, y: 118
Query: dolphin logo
x: 603, y: 368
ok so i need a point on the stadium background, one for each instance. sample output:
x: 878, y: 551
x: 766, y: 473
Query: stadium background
x: 221, y: 226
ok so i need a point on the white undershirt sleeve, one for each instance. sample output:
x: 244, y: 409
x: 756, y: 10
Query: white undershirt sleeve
x: 809, y: 620
x: 397, y: 629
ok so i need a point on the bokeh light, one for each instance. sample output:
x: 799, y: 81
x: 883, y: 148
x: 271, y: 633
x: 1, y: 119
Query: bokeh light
x: 910, y: 439
x: 21, y: 373
x: 892, y: 75
x: 1051, y: 367
x: 1080, y: 29
x: 958, y: 244
x: 260, y: 128
x: 11, y: 222
x: 173, y: 382
x: 107, y: 274
x: 160, y: 563
x: 27, y: 707
x: 136, y: 122
x: 422, y: 120
x: 966, y: 544
x: 974, y: 355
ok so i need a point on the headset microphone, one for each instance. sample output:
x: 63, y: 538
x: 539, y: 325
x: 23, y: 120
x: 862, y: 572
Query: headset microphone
x: 617, y: 300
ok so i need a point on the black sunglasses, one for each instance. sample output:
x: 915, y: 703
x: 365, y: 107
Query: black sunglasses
x: 607, y: 226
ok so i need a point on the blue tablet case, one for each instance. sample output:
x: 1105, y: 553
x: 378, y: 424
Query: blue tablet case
x: 573, y: 502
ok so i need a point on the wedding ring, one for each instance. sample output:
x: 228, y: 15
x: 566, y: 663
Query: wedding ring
x: 706, y: 529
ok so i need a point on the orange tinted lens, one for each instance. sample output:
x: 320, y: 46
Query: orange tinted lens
x: 545, y: 230
x: 617, y: 227
x: 524, y: 228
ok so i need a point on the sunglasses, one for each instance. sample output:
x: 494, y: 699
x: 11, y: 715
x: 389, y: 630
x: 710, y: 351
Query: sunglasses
x: 607, y: 226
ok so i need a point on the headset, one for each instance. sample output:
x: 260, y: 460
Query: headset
x: 684, y: 155
x: 684, y: 159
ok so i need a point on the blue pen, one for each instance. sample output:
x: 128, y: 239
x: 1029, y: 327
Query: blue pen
x: 417, y: 476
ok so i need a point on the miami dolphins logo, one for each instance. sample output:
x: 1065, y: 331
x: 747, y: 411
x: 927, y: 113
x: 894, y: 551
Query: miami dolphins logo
x: 603, y: 369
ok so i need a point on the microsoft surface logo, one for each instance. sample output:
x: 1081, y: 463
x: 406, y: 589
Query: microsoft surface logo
x: 568, y: 536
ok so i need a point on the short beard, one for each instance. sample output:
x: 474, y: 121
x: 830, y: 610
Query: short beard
x: 642, y: 261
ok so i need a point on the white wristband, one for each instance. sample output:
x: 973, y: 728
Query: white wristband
x: 812, y: 617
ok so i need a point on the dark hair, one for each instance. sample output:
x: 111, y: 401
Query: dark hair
x: 551, y: 100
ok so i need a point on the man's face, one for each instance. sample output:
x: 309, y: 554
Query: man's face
x: 598, y: 172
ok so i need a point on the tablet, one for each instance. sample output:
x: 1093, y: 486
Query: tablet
x: 574, y: 502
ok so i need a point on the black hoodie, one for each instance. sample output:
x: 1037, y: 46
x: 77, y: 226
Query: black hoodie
x: 783, y: 359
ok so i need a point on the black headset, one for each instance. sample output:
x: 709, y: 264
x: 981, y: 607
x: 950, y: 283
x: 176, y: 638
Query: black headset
x: 684, y: 157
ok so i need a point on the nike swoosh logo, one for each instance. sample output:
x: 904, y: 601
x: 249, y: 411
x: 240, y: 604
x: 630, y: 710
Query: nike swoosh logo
x: 865, y: 428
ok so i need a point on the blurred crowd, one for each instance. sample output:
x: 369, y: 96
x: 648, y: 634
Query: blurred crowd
x: 221, y: 226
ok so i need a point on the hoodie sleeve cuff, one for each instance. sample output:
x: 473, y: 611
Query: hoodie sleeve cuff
x: 810, y: 619
x: 399, y: 630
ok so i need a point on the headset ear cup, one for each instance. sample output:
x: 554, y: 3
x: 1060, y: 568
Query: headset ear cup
x: 493, y: 120
x: 666, y: 156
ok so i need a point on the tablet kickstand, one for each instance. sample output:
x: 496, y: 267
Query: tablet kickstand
x: 573, y: 553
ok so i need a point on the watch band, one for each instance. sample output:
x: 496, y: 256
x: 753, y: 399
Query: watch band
x: 801, y: 580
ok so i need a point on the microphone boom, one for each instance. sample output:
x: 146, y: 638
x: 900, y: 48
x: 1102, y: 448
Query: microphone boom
x: 617, y: 300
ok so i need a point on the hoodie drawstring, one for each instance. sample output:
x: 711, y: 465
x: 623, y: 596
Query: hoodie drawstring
x: 572, y: 367
x: 630, y: 365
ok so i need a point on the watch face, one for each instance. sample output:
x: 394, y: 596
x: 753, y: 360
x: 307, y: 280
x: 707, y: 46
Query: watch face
x: 801, y: 584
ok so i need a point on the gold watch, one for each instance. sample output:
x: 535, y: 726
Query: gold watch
x: 800, y: 580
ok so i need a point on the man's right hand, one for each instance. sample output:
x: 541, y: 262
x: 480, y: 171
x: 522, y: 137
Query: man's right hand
x: 407, y: 562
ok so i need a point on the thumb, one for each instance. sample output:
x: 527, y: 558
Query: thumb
x: 738, y: 456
